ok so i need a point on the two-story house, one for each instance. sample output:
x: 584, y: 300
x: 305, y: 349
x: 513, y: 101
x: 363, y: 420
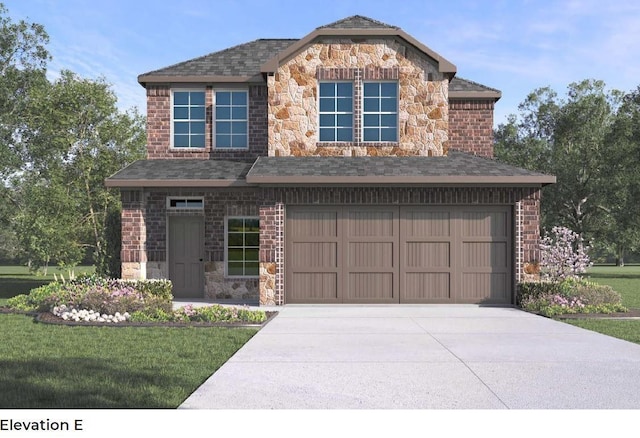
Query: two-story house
x: 349, y: 166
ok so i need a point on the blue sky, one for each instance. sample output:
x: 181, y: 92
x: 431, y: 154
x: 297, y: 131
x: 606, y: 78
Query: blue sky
x: 513, y: 45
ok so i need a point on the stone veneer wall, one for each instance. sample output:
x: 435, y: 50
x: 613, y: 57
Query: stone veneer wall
x: 159, y: 126
x: 525, y: 200
x: 471, y: 126
x: 293, y: 104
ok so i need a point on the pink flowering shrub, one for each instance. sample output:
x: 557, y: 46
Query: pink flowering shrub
x: 563, y: 255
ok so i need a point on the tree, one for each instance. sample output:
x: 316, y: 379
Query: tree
x: 565, y: 137
x: 23, y: 60
x: 77, y: 138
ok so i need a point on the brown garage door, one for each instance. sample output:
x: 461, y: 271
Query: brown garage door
x: 346, y: 254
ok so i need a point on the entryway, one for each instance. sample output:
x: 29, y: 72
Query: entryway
x: 186, y: 256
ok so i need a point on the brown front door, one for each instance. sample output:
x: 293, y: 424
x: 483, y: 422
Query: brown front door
x: 186, y: 255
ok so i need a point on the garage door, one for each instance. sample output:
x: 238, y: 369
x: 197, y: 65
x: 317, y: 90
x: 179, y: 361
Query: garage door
x: 346, y: 254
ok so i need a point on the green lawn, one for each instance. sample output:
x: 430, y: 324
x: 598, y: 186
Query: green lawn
x: 47, y: 366
x: 626, y: 281
x: 16, y: 280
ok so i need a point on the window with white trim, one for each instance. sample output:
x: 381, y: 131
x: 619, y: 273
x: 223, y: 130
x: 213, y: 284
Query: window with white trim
x: 193, y: 203
x: 231, y: 116
x: 336, y: 111
x: 188, y: 119
x: 380, y: 111
x: 242, y: 246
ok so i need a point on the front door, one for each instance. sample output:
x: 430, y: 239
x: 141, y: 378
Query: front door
x: 186, y: 256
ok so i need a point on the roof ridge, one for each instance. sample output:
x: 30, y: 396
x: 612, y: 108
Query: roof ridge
x: 359, y: 17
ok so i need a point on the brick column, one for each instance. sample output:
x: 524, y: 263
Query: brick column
x: 271, y: 254
x: 134, y: 235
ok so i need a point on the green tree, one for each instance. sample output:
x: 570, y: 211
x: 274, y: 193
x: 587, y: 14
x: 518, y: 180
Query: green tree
x: 79, y: 138
x: 23, y: 60
x: 564, y: 137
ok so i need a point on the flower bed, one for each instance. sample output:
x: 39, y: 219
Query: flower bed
x: 97, y: 300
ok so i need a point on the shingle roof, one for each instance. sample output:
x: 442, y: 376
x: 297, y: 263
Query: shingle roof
x: 241, y: 60
x: 457, y: 167
x: 173, y: 173
x: 466, y: 87
x: 357, y: 22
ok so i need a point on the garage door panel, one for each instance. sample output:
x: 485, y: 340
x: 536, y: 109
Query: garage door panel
x: 490, y: 287
x: 370, y: 223
x: 313, y: 223
x: 369, y: 286
x: 490, y: 255
x: 314, y: 255
x: 370, y: 254
x: 313, y: 286
x: 484, y: 223
x: 427, y: 255
x: 427, y: 223
x: 426, y: 286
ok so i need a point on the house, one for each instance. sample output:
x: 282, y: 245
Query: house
x: 349, y: 166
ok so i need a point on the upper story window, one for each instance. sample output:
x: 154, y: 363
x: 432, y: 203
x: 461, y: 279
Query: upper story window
x: 188, y: 119
x: 231, y: 119
x: 336, y: 111
x: 380, y: 111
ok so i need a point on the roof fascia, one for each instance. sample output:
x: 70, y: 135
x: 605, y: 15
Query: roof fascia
x: 270, y: 66
x: 410, y: 180
x: 174, y: 183
x: 192, y: 79
x: 493, y: 95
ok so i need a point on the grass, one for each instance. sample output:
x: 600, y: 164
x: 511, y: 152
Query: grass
x: 16, y: 280
x: 626, y: 281
x: 50, y: 366
x: 45, y: 366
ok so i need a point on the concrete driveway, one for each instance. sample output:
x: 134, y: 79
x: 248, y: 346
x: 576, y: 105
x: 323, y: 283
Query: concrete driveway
x: 423, y: 357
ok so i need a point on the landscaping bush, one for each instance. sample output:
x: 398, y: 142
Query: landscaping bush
x: 569, y: 297
x: 206, y: 314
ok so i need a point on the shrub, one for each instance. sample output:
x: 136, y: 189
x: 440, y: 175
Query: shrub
x: 569, y: 296
x: 563, y: 255
x: 22, y: 303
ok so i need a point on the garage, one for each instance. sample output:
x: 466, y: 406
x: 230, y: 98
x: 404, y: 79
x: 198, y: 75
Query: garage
x: 398, y: 254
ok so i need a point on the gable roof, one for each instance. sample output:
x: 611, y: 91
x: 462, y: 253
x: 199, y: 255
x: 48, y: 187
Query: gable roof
x: 357, y: 22
x: 360, y: 26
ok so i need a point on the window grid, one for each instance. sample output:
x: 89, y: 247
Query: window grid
x: 188, y: 119
x: 336, y: 111
x: 231, y: 119
x: 380, y: 111
x: 243, y: 246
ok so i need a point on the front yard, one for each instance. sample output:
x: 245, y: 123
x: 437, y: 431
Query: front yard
x: 626, y: 281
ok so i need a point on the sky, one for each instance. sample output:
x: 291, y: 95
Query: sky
x: 515, y: 46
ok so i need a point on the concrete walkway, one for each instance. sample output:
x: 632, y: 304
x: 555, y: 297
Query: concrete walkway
x: 423, y: 357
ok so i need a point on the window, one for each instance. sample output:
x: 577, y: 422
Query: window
x: 231, y: 116
x: 188, y: 119
x: 243, y: 246
x: 336, y: 111
x: 185, y: 203
x: 380, y: 111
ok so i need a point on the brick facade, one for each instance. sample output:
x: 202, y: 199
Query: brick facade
x: 471, y: 126
x: 159, y: 126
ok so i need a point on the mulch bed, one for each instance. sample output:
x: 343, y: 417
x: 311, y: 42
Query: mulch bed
x: 49, y: 318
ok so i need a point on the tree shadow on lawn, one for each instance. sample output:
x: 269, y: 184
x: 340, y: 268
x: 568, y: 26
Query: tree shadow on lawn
x: 10, y: 286
x: 607, y: 275
x: 79, y: 383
